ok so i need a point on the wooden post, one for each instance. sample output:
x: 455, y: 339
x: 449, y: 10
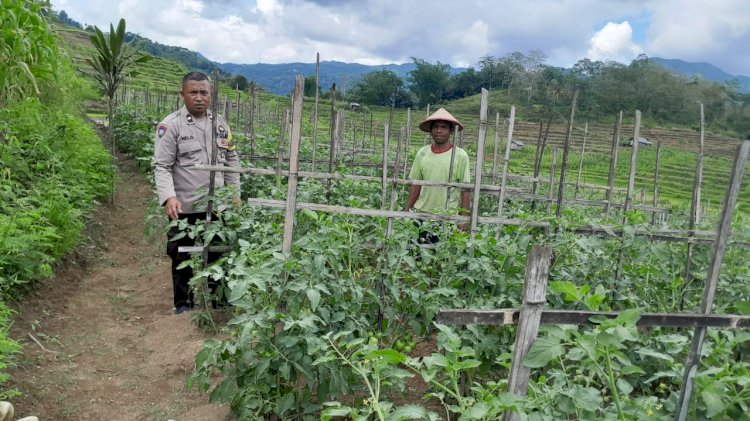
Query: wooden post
x: 694, y: 208
x: 385, y: 165
x: 427, y: 138
x: 566, y: 151
x: 580, y: 161
x: 394, y: 187
x: 408, y: 141
x: 282, y: 139
x: 495, y: 148
x: 212, y: 174
x: 534, y: 298
x: 479, y: 161
x: 354, y: 143
x: 712, y: 277
x: 334, y: 119
x: 291, y: 192
x: 340, y: 124
x: 655, y: 199
x: 633, y: 161
x: 251, y: 119
x: 613, y: 162
x: 552, y: 171
x: 506, y: 162
x: 450, y: 168
x: 540, y: 144
x: 315, y: 110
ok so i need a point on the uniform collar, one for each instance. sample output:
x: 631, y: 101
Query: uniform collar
x: 189, y: 117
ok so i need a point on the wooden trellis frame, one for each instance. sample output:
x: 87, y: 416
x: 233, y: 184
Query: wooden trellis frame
x: 533, y: 302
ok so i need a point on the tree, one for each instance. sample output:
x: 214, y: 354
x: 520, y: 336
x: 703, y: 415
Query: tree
x: 112, y: 63
x: 428, y: 82
x: 239, y: 82
x: 464, y: 84
x: 380, y: 88
x: 310, y: 86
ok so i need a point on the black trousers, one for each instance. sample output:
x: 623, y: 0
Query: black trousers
x: 183, y: 295
x: 425, y: 237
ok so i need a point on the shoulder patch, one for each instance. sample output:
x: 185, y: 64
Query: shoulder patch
x: 161, y: 130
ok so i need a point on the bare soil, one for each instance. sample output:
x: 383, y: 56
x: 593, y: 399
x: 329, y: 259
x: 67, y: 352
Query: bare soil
x: 100, y: 339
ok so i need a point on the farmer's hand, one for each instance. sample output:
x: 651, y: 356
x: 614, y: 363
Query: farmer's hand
x: 173, y: 208
x: 236, y: 201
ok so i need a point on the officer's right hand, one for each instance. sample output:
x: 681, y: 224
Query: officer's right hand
x: 173, y: 207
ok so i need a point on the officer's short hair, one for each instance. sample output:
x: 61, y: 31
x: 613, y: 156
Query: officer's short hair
x: 196, y: 76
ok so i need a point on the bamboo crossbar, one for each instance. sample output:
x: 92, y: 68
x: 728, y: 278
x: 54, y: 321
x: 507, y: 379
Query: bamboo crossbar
x: 510, y: 316
x: 698, y: 237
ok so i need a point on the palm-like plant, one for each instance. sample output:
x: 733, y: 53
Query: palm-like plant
x: 114, y: 61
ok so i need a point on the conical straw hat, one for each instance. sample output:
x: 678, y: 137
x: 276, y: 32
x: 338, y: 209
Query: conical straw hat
x: 440, y: 114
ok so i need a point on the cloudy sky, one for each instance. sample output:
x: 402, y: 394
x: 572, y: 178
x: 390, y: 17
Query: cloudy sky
x: 455, y: 32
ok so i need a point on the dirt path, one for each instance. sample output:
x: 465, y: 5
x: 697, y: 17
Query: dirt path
x: 109, y: 346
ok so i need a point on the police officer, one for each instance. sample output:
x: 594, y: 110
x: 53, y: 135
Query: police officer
x: 182, y: 140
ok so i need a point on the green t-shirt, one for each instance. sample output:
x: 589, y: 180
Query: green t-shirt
x: 431, y: 166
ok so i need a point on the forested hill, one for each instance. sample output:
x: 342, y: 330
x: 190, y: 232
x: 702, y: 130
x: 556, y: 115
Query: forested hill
x: 705, y: 70
x: 279, y: 78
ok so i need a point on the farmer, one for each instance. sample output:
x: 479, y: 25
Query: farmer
x: 182, y: 140
x: 433, y: 163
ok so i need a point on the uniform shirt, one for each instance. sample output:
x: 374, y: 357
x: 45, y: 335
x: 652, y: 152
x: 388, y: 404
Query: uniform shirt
x: 431, y: 166
x: 182, y: 141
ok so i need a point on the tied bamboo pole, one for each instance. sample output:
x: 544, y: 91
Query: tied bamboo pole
x: 452, y: 164
x: 580, y: 161
x: 480, y: 161
x: 712, y: 277
x: 552, y: 171
x: 613, y: 163
x: 694, y: 208
x: 315, y: 110
x: 566, y: 151
x: 655, y: 199
x: 394, y: 187
x: 506, y: 163
x: 534, y: 298
x: 384, y: 181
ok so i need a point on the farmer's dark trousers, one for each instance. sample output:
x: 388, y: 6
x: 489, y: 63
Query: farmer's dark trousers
x: 183, y: 295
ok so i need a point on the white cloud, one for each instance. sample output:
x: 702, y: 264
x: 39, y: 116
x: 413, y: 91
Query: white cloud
x: 614, y: 42
x: 455, y: 32
x: 717, y: 32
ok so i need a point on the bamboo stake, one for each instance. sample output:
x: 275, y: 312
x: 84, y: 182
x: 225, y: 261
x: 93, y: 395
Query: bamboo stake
x: 291, y: 195
x: 315, y: 110
x: 282, y: 138
x: 633, y: 161
x: 479, y: 161
x: 613, y: 162
x: 712, y: 278
x: 407, y: 152
x: 534, y: 298
x: 506, y: 163
x: 551, y: 179
x: 450, y: 168
x: 495, y: 148
x: 384, y: 175
x: 655, y: 199
x: 580, y: 161
x: 394, y: 190
x: 566, y: 151
x: 694, y: 207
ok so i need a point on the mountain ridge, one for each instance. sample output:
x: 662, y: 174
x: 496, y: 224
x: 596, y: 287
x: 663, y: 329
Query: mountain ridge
x: 704, y: 70
x: 279, y: 78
